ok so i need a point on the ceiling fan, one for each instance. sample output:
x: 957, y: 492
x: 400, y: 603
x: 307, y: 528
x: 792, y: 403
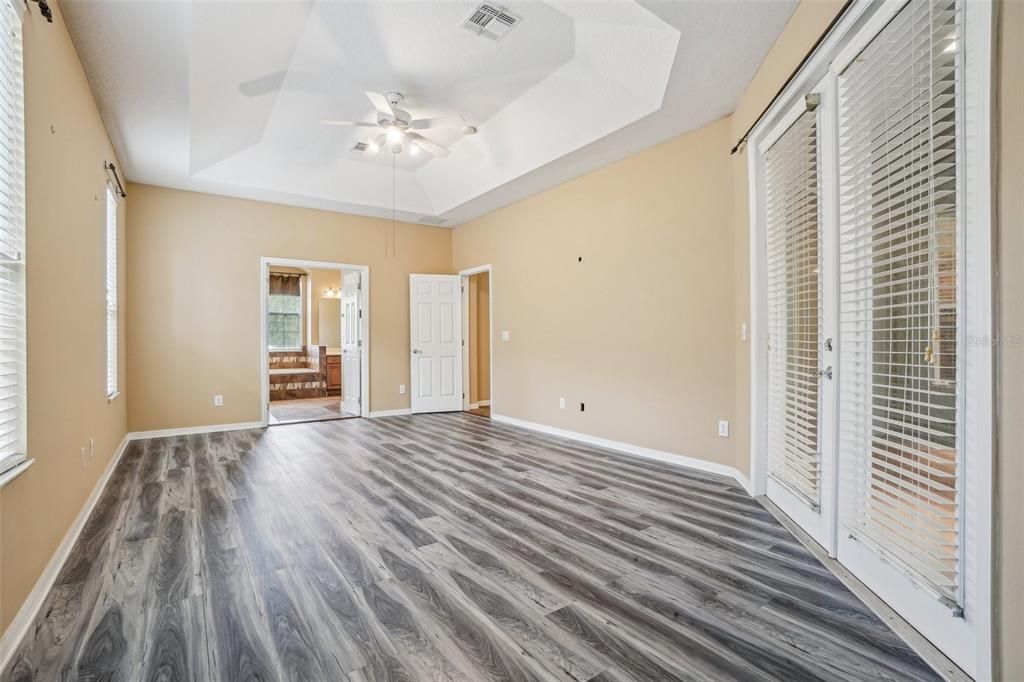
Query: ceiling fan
x: 399, y: 128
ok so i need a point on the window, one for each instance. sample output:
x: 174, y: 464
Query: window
x: 284, y: 312
x: 12, y: 242
x: 111, y: 292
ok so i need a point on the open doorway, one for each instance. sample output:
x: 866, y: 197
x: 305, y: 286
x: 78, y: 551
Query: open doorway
x: 314, y: 341
x: 476, y: 307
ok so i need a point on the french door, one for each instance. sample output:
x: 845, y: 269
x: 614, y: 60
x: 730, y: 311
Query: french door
x: 874, y: 278
x: 800, y: 298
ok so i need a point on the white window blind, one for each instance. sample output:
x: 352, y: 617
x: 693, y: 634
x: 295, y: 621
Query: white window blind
x: 111, y: 240
x: 900, y: 308
x: 12, y: 242
x: 794, y: 308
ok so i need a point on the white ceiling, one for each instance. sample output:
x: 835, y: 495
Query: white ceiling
x: 225, y: 97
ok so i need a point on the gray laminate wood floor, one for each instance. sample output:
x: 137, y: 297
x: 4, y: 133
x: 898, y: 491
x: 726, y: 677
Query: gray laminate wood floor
x: 439, y: 547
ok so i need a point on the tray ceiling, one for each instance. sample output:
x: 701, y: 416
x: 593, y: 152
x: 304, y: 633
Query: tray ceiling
x: 226, y: 97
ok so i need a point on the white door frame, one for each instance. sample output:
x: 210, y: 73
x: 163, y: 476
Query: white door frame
x: 364, y: 331
x: 466, y: 274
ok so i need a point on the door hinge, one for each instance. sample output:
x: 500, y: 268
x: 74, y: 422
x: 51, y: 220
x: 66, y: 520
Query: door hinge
x: 359, y: 343
x: 360, y: 313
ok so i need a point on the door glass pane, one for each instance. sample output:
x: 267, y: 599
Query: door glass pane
x: 899, y: 299
x: 794, y: 309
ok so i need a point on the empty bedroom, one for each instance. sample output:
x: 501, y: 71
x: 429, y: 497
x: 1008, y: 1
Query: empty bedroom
x: 458, y: 340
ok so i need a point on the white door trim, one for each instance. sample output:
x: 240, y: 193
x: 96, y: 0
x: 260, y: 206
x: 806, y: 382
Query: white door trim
x: 466, y: 274
x: 364, y: 369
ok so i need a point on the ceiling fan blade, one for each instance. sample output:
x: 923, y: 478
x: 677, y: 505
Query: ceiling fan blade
x: 426, y: 145
x: 439, y: 122
x: 360, y: 124
x: 381, y: 103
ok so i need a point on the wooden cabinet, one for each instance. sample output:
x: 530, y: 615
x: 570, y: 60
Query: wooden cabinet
x: 334, y: 374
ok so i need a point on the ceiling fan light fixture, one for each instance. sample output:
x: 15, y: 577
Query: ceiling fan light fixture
x: 395, y: 135
x: 373, y: 148
x: 414, y: 148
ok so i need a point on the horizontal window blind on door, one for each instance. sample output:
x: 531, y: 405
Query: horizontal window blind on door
x: 12, y: 242
x: 899, y: 242
x: 794, y: 309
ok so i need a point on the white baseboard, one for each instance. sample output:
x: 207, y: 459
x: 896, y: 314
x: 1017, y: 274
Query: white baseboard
x: 484, y: 403
x: 188, y: 430
x: 30, y: 607
x: 389, y: 413
x: 474, y: 406
x: 636, y: 450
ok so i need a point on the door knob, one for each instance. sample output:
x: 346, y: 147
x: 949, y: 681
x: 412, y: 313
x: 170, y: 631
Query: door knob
x: 828, y: 343
x: 416, y: 350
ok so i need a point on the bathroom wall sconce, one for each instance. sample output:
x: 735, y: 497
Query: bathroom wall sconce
x: 331, y: 292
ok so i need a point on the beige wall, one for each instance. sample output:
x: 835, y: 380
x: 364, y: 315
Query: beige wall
x: 194, y: 272
x: 66, y: 146
x: 648, y: 360
x: 1009, y: 215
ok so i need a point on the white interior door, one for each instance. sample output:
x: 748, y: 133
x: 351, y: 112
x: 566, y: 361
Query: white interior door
x: 435, y: 334
x: 351, y: 343
x: 800, y: 308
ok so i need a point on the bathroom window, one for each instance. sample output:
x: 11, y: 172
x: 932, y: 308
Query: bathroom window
x: 284, y: 312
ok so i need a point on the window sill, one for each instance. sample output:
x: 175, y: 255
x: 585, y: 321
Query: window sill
x: 12, y: 474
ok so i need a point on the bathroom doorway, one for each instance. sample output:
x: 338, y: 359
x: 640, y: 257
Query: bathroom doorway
x: 476, y: 321
x: 314, y: 341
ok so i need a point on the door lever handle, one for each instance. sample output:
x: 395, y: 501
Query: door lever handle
x: 416, y: 350
x: 827, y: 372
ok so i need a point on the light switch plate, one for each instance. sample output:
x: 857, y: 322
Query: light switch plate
x: 561, y: 403
x: 723, y: 428
x: 401, y: 389
x: 506, y: 335
x: 218, y: 401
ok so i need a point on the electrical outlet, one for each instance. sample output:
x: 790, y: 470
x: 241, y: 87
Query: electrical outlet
x: 723, y: 428
x: 401, y: 389
x: 561, y: 403
x: 506, y: 336
x: 218, y: 401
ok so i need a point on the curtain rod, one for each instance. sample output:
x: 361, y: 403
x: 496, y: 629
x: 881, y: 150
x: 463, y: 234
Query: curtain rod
x: 793, y: 75
x: 120, y: 188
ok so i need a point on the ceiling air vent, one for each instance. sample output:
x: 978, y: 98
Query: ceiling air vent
x: 492, y: 21
x: 360, y: 147
x: 432, y: 220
